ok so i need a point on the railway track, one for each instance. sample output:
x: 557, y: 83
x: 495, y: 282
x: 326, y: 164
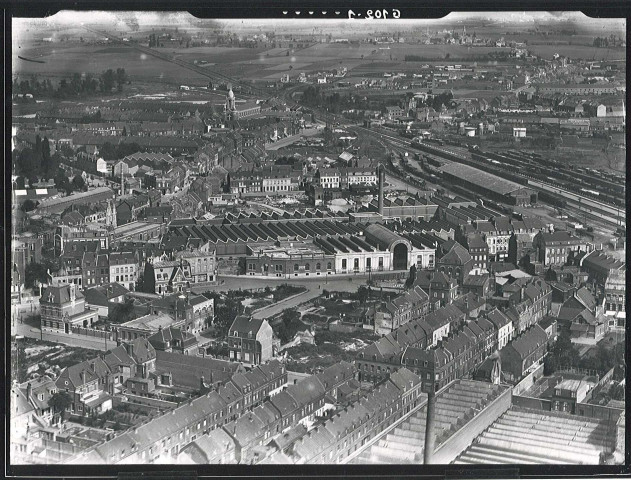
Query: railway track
x: 587, y: 206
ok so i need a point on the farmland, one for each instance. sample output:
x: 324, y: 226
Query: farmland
x: 62, y: 61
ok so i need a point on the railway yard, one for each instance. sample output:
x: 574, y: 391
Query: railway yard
x: 576, y: 193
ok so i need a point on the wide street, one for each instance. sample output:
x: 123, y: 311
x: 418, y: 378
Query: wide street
x: 29, y: 329
x: 314, y: 286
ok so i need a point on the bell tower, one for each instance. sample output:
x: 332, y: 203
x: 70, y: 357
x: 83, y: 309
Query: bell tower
x: 230, y: 104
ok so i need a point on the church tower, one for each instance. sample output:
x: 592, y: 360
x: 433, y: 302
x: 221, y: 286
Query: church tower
x: 230, y: 107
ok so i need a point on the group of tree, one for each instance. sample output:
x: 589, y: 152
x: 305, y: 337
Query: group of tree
x: 64, y: 184
x: 289, y: 326
x: 565, y: 355
x: 285, y: 161
x: 76, y: 85
x: 333, y: 103
x: 604, y: 359
x: 121, y: 313
x: 227, y: 308
x: 122, y: 150
x: 37, y: 273
x: 604, y: 42
x: 36, y: 161
x: 437, y: 101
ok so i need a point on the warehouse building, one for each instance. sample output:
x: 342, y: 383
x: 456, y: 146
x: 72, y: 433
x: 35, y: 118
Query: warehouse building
x: 488, y: 185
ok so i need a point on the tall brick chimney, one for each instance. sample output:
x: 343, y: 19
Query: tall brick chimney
x: 382, y: 178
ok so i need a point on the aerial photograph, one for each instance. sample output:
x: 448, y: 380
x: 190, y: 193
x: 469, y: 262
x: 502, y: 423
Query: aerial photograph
x: 355, y: 240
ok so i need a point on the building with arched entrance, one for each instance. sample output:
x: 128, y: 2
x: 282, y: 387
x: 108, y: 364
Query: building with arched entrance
x: 399, y: 247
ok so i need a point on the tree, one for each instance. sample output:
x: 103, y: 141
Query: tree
x: 26, y: 162
x: 121, y: 313
x: 289, y: 325
x: 362, y: 294
x: 19, y: 183
x: 411, y: 277
x: 549, y: 365
x: 108, y: 152
x: 107, y: 80
x: 35, y: 272
x: 121, y: 78
x: 564, y: 352
x: 60, y: 402
x: 32, y: 180
x: 29, y: 205
x: 78, y: 183
x: 62, y: 183
x: 616, y: 392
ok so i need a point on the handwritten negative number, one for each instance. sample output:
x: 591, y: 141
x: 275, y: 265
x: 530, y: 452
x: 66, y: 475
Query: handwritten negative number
x: 376, y: 14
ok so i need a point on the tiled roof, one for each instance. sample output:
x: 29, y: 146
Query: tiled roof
x: 82, y: 373
x: 59, y: 295
x: 528, y: 341
x: 187, y: 370
x: 497, y: 318
x: 244, y: 325
x: 284, y: 403
x: 210, y: 446
x: 456, y: 255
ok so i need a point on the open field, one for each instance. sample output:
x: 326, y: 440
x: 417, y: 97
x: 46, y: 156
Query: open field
x: 63, y: 62
x: 578, y: 52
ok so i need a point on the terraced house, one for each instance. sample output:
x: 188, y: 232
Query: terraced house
x: 162, y: 438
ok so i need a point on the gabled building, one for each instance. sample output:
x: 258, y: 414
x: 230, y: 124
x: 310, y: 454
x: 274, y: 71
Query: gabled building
x: 456, y: 262
x: 250, y: 340
x: 523, y: 352
x: 104, y: 297
x: 124, y: 269
x: 441, y: 288
x: 503, y: 327
x: 63, y: 308
x: 172, y: 339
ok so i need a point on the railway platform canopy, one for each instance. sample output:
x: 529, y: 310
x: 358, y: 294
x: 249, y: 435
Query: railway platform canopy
x: 487, y: 183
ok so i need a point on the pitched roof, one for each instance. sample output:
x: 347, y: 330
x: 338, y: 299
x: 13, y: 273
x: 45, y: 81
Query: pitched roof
x: 169, y: 334
x: 457, y: 254
x: 244, y: 324
x: 497, y: 318
x: 530, y: 340
x: 82, y: 373
x: 188, y: 370
x: 142, y: 351
x: 59, y: 295
x: 102, y: 294
x: 586, y: 298
x: 210, y: 447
